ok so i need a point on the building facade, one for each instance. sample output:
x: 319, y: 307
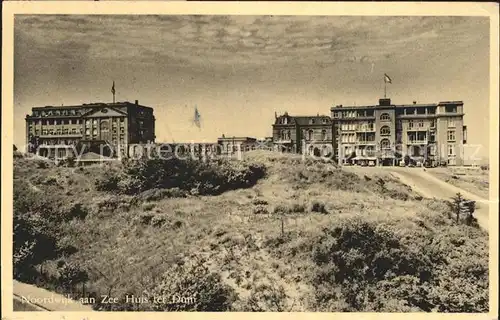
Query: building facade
x: 112, y: 124
x: 388, y: 134
x: 303, y: 134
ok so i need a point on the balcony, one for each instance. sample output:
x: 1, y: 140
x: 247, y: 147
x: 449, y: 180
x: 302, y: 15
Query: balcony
x: 365, y: 130
x: 282, y: 141
x: 365, y: 143
x: 415, y: 128
x: 416, y: 142
x: 67, y: 135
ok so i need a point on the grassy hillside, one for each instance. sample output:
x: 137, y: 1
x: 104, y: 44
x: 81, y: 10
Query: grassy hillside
x: 272, y: 233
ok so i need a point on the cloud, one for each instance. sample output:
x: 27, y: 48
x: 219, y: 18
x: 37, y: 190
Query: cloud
x: 223, y: 40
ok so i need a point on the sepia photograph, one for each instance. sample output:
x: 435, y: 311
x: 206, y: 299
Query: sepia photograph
x: 246, y: 162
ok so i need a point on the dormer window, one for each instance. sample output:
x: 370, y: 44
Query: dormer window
x: 284, y: 120
x: 312, y: 121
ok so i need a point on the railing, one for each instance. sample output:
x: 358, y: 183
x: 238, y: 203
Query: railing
x: 283, y: 141
x: 418, y: 141
x: 70, y: 135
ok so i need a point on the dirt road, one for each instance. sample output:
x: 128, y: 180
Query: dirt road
x: 431, y: 187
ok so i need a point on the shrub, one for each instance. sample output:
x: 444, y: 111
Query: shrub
x: 107, y: 183
x: 398, y: 195
x: 186, y: 287
x: 267, y: 297
x: 204, y: 178
x: 317, y: 206
x: 368, y: 266
x: 260, y: 210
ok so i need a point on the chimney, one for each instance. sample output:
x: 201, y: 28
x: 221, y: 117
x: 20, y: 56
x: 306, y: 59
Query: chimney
x: 136, y: 102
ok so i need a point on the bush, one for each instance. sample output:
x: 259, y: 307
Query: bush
x: 368, y: 266
x: 107, y: 183
x: 267, y: 297
x: 186, y: 287
x: 317, y: 206
x: 199, y: 178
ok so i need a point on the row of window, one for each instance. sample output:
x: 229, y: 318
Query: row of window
x: 386, y: 116
x: 309, y: 135
x: 370, y: 151
x: 285, y: 120
x: 355, y: 126
x: 56, y: 132
x: 67, y: 112
x: 54, y: 122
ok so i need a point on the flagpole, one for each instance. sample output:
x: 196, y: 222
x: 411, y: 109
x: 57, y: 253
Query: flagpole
x: 385, y: 88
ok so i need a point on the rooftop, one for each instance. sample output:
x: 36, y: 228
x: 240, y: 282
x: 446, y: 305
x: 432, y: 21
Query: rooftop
x: 94, y: 105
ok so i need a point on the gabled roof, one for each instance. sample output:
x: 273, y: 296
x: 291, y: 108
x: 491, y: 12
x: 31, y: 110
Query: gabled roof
x: 94, y: 110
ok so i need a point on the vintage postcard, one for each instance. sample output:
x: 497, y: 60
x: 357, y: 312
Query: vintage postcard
x: 299, y: 158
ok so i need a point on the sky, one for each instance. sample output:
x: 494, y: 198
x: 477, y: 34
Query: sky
x: 239, y: 70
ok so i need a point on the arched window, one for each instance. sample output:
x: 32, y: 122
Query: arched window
x: 324, y: 136
x: 385, y: 144
x: 310, y: 134
x: 385, y: 117
x: 385, y: 130
x: 104, y: 126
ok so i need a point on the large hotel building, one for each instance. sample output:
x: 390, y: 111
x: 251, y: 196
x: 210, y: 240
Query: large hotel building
x: 113, y: 124
x: 386, y: 134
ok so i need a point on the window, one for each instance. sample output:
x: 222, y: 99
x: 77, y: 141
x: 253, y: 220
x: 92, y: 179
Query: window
x: 324, y: 136
x: 451, y: 123
x: 104, y: 126
x: 310, y: 135
x: 336, y: 114
x: 410, y: 111
x: 432, y: 136
x: 431, y: 110
x: 451, y: 149
x: 385, y: 117
x: 385, y: 143
x: 420, y: 123
x: 385, y: 130
x: 95, y: 122
x: 88, y: 123
x: 433, y: 123
x: 94, y: 132
x: 312, y: 121
x: 410, y: 124
x: 451, y: 135
x: 451, y: 109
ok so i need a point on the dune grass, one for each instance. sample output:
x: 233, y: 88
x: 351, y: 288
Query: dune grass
x: 306, y: 236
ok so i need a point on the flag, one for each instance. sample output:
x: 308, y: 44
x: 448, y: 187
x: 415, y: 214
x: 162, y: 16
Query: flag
x: 197, y: 117
x: 113, y: 88
x: 387, y: 79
